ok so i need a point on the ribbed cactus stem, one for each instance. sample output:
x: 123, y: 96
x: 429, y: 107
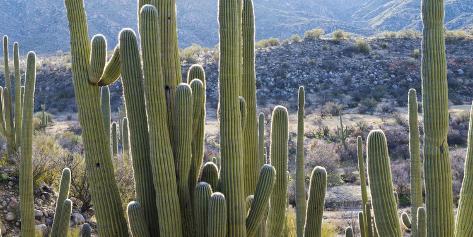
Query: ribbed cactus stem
x: 279, y: 156
x: 65, y: 217
x: 437, y: 167
x: 261, y: 143
x: 209, y: 174
x: 231, y: 137
x: 416, y: 166
x: 26, y: 159
x: 106, y: 113
x: 202, y: 194
x: 369, y: 221
x: 465, y: 206
x: 196, y: 71
x: 421, y: 223
x: 316, y: 202
x: 198, y: 138
x: 18, y: 97
x: 111, y: 72
x: 7, y: 101
x: 300, y: 176
x: 381, y: 185
x: 114, y: 139
x: 98, y: 58
x: 86, y: 230
x: 2, y: 112
x: 138, y: 127
x: 406, y: 221
x: 362, y: 224
x: 125, y: 139
x: 250, y: 131
x: 136, y: 220
x: 362, y: 170
x: 217, y: 216
x: 259, y: 207
x: 63, y: 195
x: 349, y: 232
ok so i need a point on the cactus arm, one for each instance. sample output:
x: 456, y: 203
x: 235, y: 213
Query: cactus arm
x: 217, y: 216
x: 106, y: 113
x: 279, y: 154
x: 63, y: 195
x: 316, y: 202
x: 104, y: 191
x: 300, y: 176
x: 198, y: 140
x: 379, y: 174
x: 202, y: 194
x: 26, y: 168
x: 369, y: 222
x: 111, y: 72
x: 136, y: 220
x: 196, y: 71
x: 231, y: 137
x: 65, y: 216
x: 18, y: 109
x: 210, y: 174
x: 465, y: 208
x: 2, y: 113
x: 259, y: 206
x: 114, y: 139
x: 86, y: 230
x: 421, y: 223
x: 362, y: 224
x: 349, y: 232
x: 98, y: 57
x: 406, y: 221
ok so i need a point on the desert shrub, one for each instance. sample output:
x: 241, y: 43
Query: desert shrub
x: 387, y: 34
x: 314, y: 34
x: 415, y: 53
x: 295, y: 38
x: 363, y: 46
x: 192, y: 53
x: 457, y: 157
x: 367, y: 105
x: 321, y: 153
x: 401, y: 173
x: 47, y: 158
x: 451, y: 35
x: 340, y: 35
x: 400, y: 119
x: 125, y: 180
x: 385, y: 107
x: 265, y: 43
x: 398, y: 140
x: 331, y: 108
x: 458, y: 129
x: 408, y: 34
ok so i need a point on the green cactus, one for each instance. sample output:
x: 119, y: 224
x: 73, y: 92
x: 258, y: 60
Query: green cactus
x: 98, y: 58
x: 463, y: 227
x: 406, y: 221
x: 279, y: 155
x: 114, y: 139
x: 125, y: 139
x: 18, y: 97
x: 437, y: 167
x: 209, y: 174
x: 316, y: 202
x: 7, y: 102
x: 2, y: 112
x: 369, y: 221
x: 86, y: 230
x: 362, y: 224
x: 250, y: 131
x: 217, y: 216
x: 136, y: 220
x: 64, y: 217
x: 416, y: 167
x: 202, y: 194
x: 259, y: 206
x: 104, y: 191
x: 26, y: 160
x: 198, y: 138
x: 106, y: 112
x: 231, y: 135
x: 63, y: 195
x: 261, y: 143
x: 111, y: 72
x: 300, y: 176
x: 379, y: 174
x: 348, y: 232
x: 421, y: 222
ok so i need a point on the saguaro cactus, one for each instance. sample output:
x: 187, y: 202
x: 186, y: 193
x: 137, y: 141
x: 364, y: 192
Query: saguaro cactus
x: 279, y: 153
x: 125, y: 139
x: 421, y: 223
x: 63, y: 195
x: 209, y: 174
x: 202, y: 194
x: 136, y: 220
x: 465, y: 206
x: 361, y: 223
x: 114, y: 139
x: 64, y: 218
x: 316, y: 202
x: 18, y: 97
x: 348, y: 232
x: 300, y: 176
x: 7, y: 102
x: 379, y: 170
x: 217, y: 216
x: 437, y: 168
x: 109, y: 212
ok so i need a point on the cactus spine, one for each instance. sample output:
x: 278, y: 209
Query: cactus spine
x: 300, y: 176
x: 63, y: 195
x: 279, y: 154
x: 217, y: 217
x: 250, y: 132
x: 105, y: 103
x: 202, y: 194
x: 136, y: 220
x: 232, y: 181
x: 437, y: 168
x: 26, y: 168
x: 379, y: 174
x: 465, y: 208
x: 109, y: 212
x: 316, y: 202
x: 416, y: 168
x: 114, y: 139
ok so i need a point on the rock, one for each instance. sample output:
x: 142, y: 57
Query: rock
x: 77, y: 219
x: 460, y: 71
x: 13, y: 204
x: 38, y: 214
x: 10, y: 216
x: 42, y: 228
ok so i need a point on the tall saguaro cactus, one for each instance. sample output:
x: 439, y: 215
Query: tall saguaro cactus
x: 26, y: 161
x: 18, y: 96
x: 230, y: 124
x: 315, y: 205
x: 300, y: 176
x: 437, y: 168
x: 381, y: 185
x: 109, y: 212
x: 63, y: 195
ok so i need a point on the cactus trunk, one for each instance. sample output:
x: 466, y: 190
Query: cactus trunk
x: 316, y: 202
x: 300, y: 176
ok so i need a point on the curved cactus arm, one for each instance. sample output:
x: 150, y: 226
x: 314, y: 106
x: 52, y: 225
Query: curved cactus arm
x: 100, y: 174
x: 465, y: 206
x: 316, y: 202
x: 65, y: 217
x: 198, y: 140
x: 300, y: 174
x: 111, y: 72
x: 259, y: 207
x: 98, y: 57
x: 146, y: 191
x: 85, y: 231
x: 209, y: 174
x: 279, y: 154
x: 381, y: 185
x: 217, y: 216
x: 406, y: 221
x: 202, y: 194
x: 421, y: 222
x: 349, y: 232
x: 136, y: 220
x: 18, y: 97
x: 63, y: 195
x: 106, y: 113
x: 26, y: 161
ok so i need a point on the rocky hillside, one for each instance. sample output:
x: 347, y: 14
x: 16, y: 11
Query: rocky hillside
x: 42, y: 26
